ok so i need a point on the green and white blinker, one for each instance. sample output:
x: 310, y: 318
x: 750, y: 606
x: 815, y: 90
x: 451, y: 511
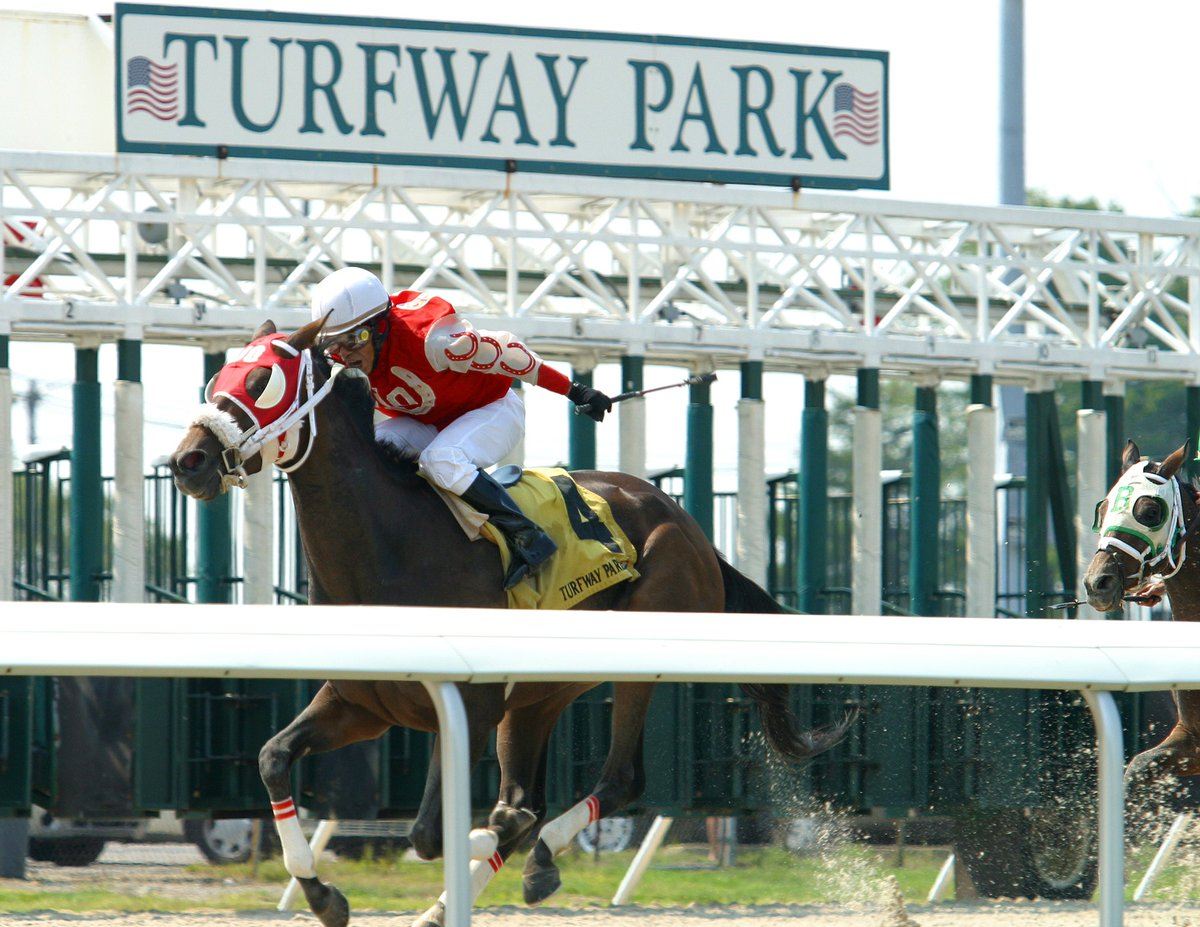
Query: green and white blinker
x: 1161, y: 540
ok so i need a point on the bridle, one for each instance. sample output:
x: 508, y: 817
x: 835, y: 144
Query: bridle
x: 296, y: 427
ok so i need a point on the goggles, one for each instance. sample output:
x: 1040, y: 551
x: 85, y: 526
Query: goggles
x: 351, y: 340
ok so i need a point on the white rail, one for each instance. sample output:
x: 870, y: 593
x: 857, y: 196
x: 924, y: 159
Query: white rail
x: 440, y: 647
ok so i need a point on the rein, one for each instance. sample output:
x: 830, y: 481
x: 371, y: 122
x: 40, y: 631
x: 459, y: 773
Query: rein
x: 238, y: 445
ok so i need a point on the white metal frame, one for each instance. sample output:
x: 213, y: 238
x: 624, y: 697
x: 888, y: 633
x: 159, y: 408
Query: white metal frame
x: 479, y: 645
x: 594, y: 268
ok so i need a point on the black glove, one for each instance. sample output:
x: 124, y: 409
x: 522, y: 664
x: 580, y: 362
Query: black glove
x: 591, y: 402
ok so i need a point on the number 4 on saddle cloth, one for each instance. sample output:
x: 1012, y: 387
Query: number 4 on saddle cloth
x: 593, y: 552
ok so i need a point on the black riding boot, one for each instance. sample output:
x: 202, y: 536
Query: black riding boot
x: 530, y: 545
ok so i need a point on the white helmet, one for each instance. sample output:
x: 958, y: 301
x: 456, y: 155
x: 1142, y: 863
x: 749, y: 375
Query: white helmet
x: 349, y: 297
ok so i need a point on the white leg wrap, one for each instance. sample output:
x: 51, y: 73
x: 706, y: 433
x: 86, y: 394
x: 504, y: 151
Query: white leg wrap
x: 484, y: 843
x: 297, y: 856
x: 482, y: 873
x: 558, y: 834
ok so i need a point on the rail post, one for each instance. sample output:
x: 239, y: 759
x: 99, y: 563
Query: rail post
x: 631, y: 418
x: 1036, y: 546
x: 1110, y: 759
x: 752, y: 475
x: 867, y: 576
x: 7, y: 503
x: 926, y: 497
x: 454, y: 751
x: 87, y: 492
x: 1090, y: 481
x: 214, y: 528
x: 698, y: 469
x: 981, y: 500
x: 1193, y: 430
x: 581, y: 430
x: 813, y: 517
x: 1114, y: 411
x: 129, y: 497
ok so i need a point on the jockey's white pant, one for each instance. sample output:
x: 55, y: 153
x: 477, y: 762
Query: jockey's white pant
x: 453, y: 456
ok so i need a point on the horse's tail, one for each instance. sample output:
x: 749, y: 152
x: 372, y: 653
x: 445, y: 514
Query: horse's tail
x: 780, y: 725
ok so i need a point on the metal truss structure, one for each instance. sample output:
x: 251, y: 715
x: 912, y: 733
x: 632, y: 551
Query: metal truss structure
x: 194, y: 250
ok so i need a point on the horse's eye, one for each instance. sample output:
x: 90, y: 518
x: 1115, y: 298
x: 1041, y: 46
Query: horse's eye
x: 1150, y: 511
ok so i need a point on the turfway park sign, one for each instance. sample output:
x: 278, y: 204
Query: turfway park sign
x: 275, y: 85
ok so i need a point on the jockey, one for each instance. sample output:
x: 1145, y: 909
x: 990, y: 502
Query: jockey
x: 444, y: 387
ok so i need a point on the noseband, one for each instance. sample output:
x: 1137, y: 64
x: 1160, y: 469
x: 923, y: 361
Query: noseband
x: 239, y: 445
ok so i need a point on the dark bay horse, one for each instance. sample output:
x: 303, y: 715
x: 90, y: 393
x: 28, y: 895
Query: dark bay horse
x: 1117, y: 571
x: 375, y: 533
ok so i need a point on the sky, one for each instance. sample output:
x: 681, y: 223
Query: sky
x: 1106, y: 116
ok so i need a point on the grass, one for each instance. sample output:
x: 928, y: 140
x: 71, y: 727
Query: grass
x: 679, y: 877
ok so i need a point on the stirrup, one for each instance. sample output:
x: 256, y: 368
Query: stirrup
x: 517, y: 570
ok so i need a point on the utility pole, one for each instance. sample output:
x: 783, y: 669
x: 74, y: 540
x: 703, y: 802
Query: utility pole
x: 33, y: 397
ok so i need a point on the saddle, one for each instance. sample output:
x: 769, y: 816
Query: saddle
x: 593, y: 553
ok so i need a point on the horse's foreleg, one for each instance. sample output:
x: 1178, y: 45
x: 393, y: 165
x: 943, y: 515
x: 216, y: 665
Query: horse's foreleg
x: 621, y: 781
x: 1177, y: 755
x: 327, y: 723
x: 484, y: 706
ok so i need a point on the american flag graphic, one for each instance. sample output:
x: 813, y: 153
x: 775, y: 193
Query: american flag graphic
x: 856, y: 114
x: 151, y: 88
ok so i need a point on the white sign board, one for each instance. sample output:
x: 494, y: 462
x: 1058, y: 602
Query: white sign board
x: 232, y: 83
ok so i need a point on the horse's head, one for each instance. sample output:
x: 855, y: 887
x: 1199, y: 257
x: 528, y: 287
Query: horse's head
x: 1142, y: 527
x: 254, y: 401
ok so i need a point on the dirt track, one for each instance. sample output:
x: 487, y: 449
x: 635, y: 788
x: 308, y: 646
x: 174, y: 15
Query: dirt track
x: 1032, y: 914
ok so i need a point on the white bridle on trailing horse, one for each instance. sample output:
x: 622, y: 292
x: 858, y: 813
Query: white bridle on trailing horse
x: 1166, y: 542
x: 240, y: 445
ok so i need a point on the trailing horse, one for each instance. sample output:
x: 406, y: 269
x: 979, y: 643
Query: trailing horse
x: 375, y: 533
x: 1148, y: 526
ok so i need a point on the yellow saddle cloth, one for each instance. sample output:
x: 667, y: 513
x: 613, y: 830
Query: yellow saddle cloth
x: 593, y: 552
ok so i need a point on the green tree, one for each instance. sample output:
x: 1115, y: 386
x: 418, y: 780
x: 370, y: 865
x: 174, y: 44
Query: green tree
x: 896, y: 407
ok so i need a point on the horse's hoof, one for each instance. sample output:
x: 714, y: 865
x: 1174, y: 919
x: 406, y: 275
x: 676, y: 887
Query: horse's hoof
x: 434, y: 917
x: 540, y: 885
x: 327, y: 903
x: 511, y: 824
x: 541, y: 878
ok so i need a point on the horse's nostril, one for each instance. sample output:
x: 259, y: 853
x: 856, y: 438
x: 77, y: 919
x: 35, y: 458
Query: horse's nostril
x: 1104, y: 582
x: 192, y: 461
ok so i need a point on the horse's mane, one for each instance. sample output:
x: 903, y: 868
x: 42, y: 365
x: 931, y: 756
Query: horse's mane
x: 354, y: 393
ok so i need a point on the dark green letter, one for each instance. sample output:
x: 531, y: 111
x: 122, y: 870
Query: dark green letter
x: 516, y: 107
x: 704, y: 115
x: 804, y: 115
x: 449, y: 89
x: 550, y: 63
x: 311, y: 87
x: 745, y: 110
x: 374, y: 86
x: 640, y: 68
x: 189, y: 43
x: 237, y: 45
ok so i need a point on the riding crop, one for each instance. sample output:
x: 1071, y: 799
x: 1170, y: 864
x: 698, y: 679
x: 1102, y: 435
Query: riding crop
x: 1137, y: 599
x: 634, y: 393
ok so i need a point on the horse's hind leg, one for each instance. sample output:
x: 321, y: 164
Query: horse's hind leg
x: 521, y: 748
x: 621, y: 781
x: 329, y: 722
x: 484, y: 706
